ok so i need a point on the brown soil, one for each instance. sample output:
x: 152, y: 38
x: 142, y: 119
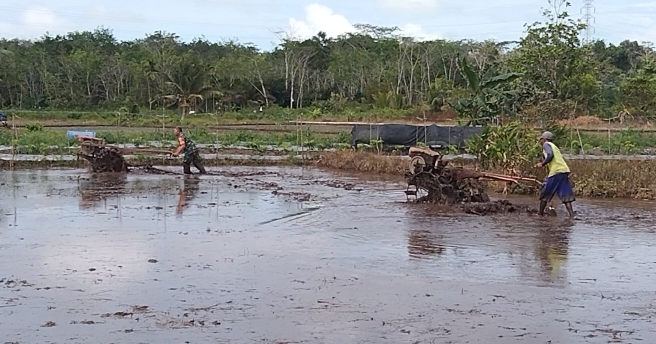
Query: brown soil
x: 586, y: 121
x: 498, y: 207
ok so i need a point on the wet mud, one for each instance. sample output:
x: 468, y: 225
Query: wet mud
x: 502, y: 206
x: 497, y: 207
x: 293, y: 255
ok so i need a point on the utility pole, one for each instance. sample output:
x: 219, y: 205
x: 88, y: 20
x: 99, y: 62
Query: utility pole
x: 588, y: 12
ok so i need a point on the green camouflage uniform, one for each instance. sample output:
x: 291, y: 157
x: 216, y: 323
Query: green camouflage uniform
x: 190, y: 151
x: 191, y: 156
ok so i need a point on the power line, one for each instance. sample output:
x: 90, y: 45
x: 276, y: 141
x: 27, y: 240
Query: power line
x: 588, y: 11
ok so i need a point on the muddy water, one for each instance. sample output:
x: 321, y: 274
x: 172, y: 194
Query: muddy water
x: 250, y: 154
x: 296, y: 255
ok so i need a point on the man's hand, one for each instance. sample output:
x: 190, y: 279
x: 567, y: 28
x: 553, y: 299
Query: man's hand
x: 538, y: 165
x: 174, y: 154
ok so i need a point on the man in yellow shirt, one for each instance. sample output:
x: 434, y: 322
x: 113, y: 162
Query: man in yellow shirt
x: 558, y: 179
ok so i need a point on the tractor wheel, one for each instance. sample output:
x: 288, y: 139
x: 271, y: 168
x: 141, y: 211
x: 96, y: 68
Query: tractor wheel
x: 417, y: 164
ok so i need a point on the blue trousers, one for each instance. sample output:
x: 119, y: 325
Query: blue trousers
x: 557, y: 184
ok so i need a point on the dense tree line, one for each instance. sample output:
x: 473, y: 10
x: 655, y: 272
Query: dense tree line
x: 549, y: 71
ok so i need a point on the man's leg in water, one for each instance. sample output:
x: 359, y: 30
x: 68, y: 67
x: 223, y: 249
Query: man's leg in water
x: 547, y: 193
x: 566, y: 193
x: 198, y: 163
x: 570, y: 209
x: 186, y: 164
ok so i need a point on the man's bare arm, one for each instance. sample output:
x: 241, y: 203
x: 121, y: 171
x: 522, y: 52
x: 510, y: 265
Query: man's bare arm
x: 179, y: 149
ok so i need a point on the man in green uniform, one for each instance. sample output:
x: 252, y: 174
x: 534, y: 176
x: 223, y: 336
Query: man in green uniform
x: 191, y: 154
x: 558, y: 179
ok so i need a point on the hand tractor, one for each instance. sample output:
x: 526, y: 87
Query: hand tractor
x: 429, y: 174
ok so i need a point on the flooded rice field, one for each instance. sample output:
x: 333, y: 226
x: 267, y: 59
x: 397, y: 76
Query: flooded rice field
x: 291, y: 255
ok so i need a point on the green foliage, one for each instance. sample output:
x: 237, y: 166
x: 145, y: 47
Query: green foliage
x: 358, y: 76
x: 638, y: 92
x: 561, y: 133
x: 487, y: 98
x: 628, y: 141
x: 50, y: 141
x: 54, y: 141
x: 452, y: 149
x: 34, y: 127
x: 511, y: 147
x: 34, y: 142
x: 555, y: 62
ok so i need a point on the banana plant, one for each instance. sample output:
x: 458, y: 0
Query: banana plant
x: 488, y: 96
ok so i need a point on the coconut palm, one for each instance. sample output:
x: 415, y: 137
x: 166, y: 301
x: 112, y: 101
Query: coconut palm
x: 187, y: 81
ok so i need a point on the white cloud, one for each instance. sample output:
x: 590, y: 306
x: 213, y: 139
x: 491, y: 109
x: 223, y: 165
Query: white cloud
x: 34, y: 22
x: 320, y: 18
x: 477, y: 19
x: 416, y: 31
x: 410, y: 5
x: 40, y: 16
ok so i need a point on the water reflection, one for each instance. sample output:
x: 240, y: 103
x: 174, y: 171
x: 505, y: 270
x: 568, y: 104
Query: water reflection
x: 99, y: 187
x: 424, y: 243
x: 551, y: 251
x: 504, y: 247
x: 188, y: 192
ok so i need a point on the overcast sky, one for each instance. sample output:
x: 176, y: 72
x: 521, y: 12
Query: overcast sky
x: 254, y: 21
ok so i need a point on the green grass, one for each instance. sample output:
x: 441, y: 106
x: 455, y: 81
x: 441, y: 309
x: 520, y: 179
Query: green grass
x: 629, y: 141
x: 171, y: 118
x: 36, y: 140
x: 40, y: 141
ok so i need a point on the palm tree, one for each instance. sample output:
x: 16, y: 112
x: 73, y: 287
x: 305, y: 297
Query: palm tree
x: 187, y: 82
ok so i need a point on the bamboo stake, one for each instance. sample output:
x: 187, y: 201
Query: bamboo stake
x: 13, y: 144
